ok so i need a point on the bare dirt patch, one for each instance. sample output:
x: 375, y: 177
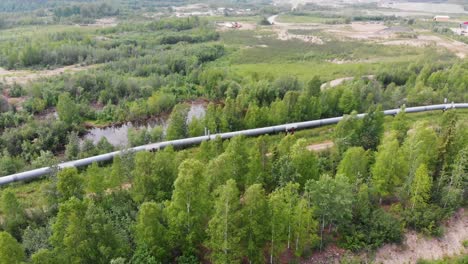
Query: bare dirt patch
x: 102, y: 22
x: 331, y: 254
x: 320, y: 146
x: 339, y: 81
x: 25, y: 76
x: 226, y: 26
x: 459, y: 48
x: 282, y: 30
x: 417, y: 247
x: 365, y: 30
x: 431, y: 8
x: 285, y: 35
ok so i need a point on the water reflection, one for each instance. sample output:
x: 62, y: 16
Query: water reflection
x: 118, y: 135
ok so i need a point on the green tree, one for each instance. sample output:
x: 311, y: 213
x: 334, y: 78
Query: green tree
x: 420, y: 189
x: 96, y: 183
x: 70, y: 233
x: 456, y: 183
x: 313, y: 86
x: 82, y: 233
x: 333, y: 199
x: 346, y: 132
x: 44, y: 256
x: 307, y: 108
x: 278, y: 113
x: 13, y: 214
x: 304, y: 227
x: 400, y: 125
x: 189, y: 209
x: 258, y: 163
x: 254, y: 117
x: 196, y: 128
x: 348, y: 101
x: 231, y: 116
x: 117, y: 175
x: 72, y: 149
x: 420, y: 147
x: 178, y: 122
x: 103, y: 146
x: 354, y: 164
x: 238, y: 156
x: 282, y: 204
x: 151, y: 230
x: 144, y: 185
x: 388, y: 171
x: 223, y: 228
x: 67, y: 110
x: 255, y: 226
x: 372, y: 128
x: 304, y: 162
x: 69, y: 184
x: 219, y: 170
x: 11, y: 252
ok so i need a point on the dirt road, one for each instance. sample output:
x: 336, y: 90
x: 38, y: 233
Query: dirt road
x: 25, y: 76
x: 320, y: 146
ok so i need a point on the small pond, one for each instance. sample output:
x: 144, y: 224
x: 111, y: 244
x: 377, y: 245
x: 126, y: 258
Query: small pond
x: 118, y: 135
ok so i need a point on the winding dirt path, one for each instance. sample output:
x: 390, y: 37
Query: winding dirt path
x: 320, y: 146
x: 25, y: 76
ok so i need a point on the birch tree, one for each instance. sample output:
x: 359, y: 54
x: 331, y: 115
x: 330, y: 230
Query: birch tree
x: 255, y: 223
x: 223, y: 228
x: 188, y: 211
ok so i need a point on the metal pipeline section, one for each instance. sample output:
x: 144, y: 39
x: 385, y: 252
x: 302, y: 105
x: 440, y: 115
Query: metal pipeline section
x: 32, y: 174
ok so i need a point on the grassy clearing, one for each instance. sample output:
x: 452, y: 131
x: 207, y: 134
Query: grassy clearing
x: 278, y: 51
x: 37, y: 31
x: 29, y: 194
